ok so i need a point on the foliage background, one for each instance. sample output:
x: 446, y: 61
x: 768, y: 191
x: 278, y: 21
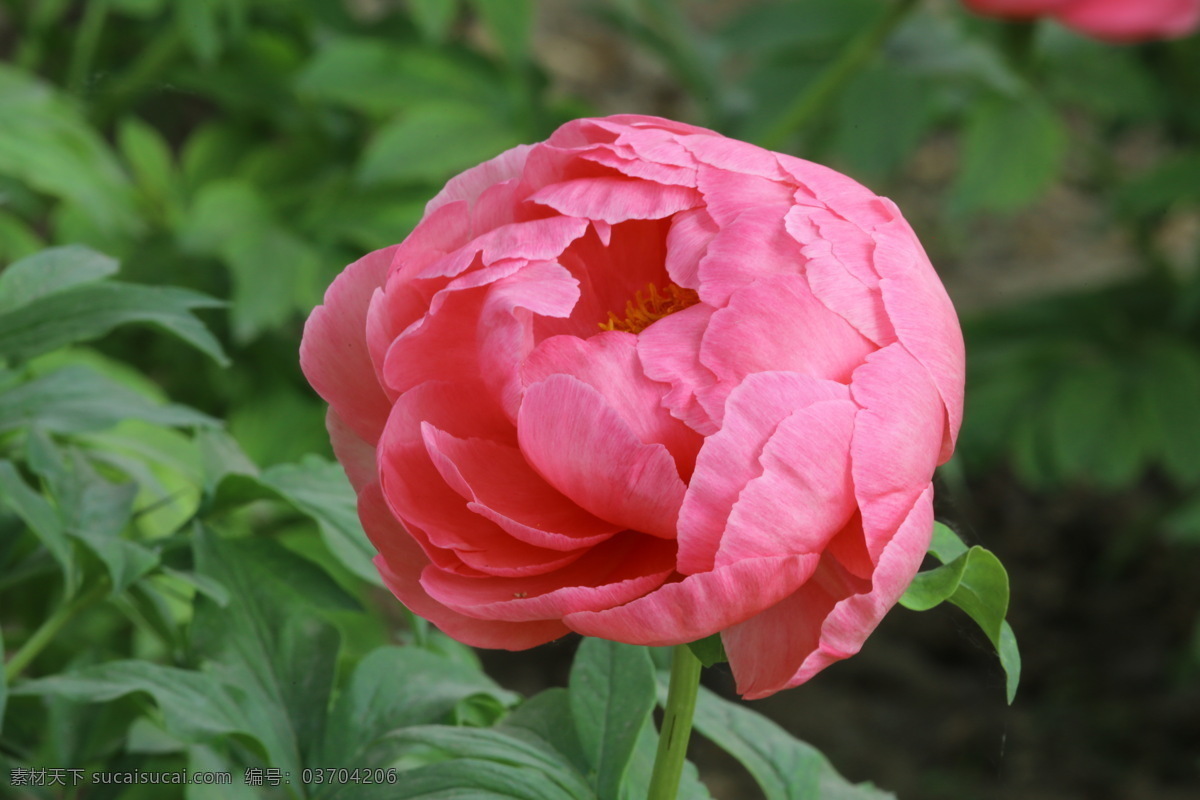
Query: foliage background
x: 246, y: 150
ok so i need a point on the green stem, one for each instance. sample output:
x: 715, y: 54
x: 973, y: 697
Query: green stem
x: 848, y: 63
x: 676, y: 726
x: 49, y: 629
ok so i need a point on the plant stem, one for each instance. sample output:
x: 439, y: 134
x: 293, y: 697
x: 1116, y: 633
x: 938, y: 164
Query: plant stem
x: 677, y: 724
x: 849, y: 62
x: 49, y: 629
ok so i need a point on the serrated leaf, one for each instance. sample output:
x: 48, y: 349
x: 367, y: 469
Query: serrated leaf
x: 89, y: 311
x: 612, y: 694
x: 49, y: 272
x: 432, y: 142
x: 1013, y: 149
x: 784, y: 767
x: 76, y: 399
x: 373, y: 703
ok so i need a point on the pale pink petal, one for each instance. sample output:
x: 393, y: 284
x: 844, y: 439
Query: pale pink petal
x: 503, y: 488
x: 610, y: 574
x: 775, y: 323
x: 468, y: 186
x: 356, y: 456
x: 923, y: 317
x: 753, y: 246
x: 608, y: 362
x: 699, y: 605
x: 334, y: 354
x: 729, y: 459
x: 400, y: 564
x: 897, y: 438
x: 616, y: 200
x: 582, y: 447
x: 839, y: 265
x: 830, y: 617
x: 687, y: 243
x: 670, y: 353
x: 804, y: 495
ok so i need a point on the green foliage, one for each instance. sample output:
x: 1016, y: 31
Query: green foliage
x: 975, y: 581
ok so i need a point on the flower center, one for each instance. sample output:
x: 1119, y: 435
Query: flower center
x: 650, y: 307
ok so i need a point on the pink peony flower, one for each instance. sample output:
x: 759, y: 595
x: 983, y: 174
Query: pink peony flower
x: 646, y: 383
x: 1111, y: 20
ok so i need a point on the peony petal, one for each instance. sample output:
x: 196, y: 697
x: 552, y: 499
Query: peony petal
x: 401, y: 562
x: 503, y: 488
x: 608, y: 362
x: 753, y: 246
x: 356, y: 456
x: 687, y: 243
x: 1126, y: 21
x: 923, y: 317
x: 333, y: 351
x: 469, y: 185
x: 699, y: 605
x: 616, y: 200
x: 804, y: 495
x: 581, y: 446
x: 610, y: 574
x: 897, y: 437
x: 776, y: 324
x: 830, y: 617
x: 729, y: 459
x: 670, y: 353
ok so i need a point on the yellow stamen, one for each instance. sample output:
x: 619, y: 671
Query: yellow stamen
x: 642, y: 310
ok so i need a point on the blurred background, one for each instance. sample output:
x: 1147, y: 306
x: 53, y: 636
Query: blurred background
x: 246, y: 150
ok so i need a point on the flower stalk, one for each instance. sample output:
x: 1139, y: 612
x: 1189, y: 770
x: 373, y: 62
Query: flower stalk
x: 856, y: 54
x: 676, y: 725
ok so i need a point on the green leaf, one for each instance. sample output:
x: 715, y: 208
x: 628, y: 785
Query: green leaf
x: 784, y: 767
x: 17, y: 239
x: 641, y: 769
x: 47, y: 144
x: 433, y: 17
x: 75, y: 399
x: 1168, y: 388
x: 89, y: 311
x: 1013, y: 149
x: 49, y: 272
x: 150, y: 158
x: 97, y: 519
x: 432, y: 142
x: 41, y: 518
x: 710, y: 650
x: 612, y: 694
x: 544, y: 772
x: 277, y: 649
x: 881, y: 117
x: 3, y: 682
x: 319, y: 489
x: 1090, y: 434
x: 508, y: 22
x: 194, y: 705
x: 382, y: 77
x: 974, y: 580
x: 547, y: 715
x: 463, y: 779
x: 374, y: 703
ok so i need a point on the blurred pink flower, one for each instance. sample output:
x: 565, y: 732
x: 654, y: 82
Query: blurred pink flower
x: 1111, y: 20
x: 646, y: 383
